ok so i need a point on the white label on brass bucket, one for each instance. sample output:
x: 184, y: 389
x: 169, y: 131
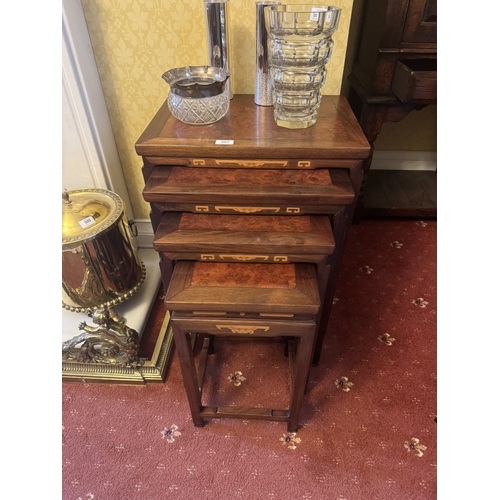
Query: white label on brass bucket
x: 224, y: 141
x: 88, y: 221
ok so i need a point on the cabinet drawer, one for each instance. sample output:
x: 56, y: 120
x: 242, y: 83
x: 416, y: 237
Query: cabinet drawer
x: 247, y: 191
x: 415, y: 81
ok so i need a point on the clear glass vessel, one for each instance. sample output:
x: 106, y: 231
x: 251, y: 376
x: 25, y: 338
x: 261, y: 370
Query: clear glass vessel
x: 291, y: 78
x: 305, y: 53
x: 303, y: 20
x: 296, y: 109
x: 300, y: 45
x: 198, y: 95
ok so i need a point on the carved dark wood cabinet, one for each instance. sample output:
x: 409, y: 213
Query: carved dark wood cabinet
x: 394, y: 70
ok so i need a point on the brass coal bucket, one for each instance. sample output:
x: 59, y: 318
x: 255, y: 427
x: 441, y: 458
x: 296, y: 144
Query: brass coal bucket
x: 100, y: 264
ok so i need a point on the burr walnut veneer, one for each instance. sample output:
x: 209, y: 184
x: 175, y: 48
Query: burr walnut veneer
x: 245, y: 190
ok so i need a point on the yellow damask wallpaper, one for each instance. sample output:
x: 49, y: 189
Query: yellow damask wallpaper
x: 136, y: 41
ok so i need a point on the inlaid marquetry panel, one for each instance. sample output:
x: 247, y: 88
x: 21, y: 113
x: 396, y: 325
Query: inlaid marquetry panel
x: 241, y: 209
x: 249, y: 191
x: 255, y: 258
x: 244, y: 238
x: 243, y: 288
x: 241, y: 275
x: 255, y: 164
x: 249, y: 133
x: 179, y: 175
x: 244, y: 223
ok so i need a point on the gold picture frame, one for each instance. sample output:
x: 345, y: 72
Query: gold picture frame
x: 150, y: 370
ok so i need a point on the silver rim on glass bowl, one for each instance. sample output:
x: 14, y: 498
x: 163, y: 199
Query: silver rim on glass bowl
x: 197, y: 81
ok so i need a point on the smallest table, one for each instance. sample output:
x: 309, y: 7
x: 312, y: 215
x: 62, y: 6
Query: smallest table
x: 236, y: 300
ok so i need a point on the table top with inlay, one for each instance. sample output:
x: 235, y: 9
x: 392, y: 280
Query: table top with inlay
x: 249, y: 131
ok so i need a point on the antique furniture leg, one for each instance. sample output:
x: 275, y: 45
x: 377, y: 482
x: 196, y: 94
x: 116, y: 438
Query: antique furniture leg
x: 339, y: 226
x: 299, y: 378
x: 188, y: 370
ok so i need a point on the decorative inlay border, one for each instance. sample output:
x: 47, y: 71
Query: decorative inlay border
x: 243, y: 258
x: 251, y: 163
x: 245, y: 329
x: 248, y: 210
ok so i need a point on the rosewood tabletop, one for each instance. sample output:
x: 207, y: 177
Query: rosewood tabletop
x: 249, y: 131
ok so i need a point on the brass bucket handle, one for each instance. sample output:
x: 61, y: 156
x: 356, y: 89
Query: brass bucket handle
x: 133, y: 228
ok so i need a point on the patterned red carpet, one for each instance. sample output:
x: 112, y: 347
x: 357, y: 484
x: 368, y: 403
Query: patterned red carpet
x: 369, y: 421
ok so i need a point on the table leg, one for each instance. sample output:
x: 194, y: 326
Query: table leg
x: 300, y: 377
x: 188, y: 370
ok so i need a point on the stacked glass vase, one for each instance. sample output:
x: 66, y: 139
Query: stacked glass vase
x: 300, y: 45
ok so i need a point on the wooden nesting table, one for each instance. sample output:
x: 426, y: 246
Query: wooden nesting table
x: 243, y: 301
x: 245, y: 190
